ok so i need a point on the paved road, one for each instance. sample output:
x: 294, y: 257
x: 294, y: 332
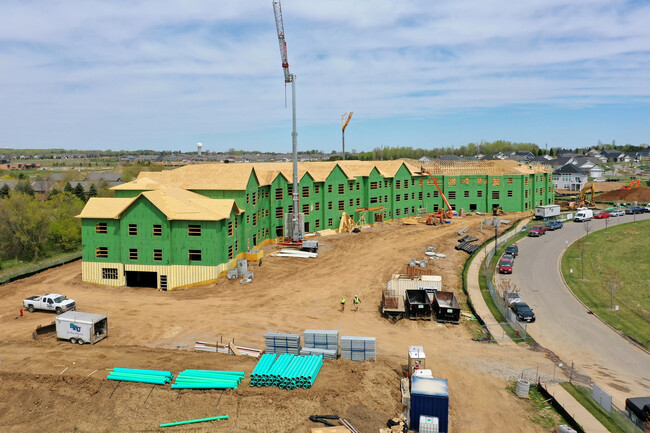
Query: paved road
x: 563, y: 324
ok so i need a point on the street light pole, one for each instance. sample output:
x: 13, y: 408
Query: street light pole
x: 496, y: 233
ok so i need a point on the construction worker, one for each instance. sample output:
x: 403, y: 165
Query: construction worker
x: 356, y: 301
x: 342, y: 303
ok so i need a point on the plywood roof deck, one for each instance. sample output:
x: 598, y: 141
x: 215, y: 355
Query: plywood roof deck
x: 489, y: 168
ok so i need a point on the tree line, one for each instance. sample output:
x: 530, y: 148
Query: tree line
x: 32, y: 229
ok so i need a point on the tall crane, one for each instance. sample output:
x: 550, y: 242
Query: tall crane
x: 345, y: 120
x: 297, y: 231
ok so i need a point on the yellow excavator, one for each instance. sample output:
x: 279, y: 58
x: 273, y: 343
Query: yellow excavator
x: 582, y: 202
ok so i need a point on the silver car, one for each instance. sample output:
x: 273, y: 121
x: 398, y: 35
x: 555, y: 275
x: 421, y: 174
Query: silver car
x: 617, y: 212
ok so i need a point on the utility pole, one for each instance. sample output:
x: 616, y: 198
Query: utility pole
x: 345, y: 120
x: 297, y: 234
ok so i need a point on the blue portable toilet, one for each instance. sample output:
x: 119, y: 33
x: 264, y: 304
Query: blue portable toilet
x: 430, y: 397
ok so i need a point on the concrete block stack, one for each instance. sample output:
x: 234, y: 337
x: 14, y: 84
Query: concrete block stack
x: 282, y: 343
x: 358, y: 348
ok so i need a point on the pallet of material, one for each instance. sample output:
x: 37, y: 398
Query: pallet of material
x: 327, y: 354
x: 411, y: 270
x: 321, y: 339
x: 327, y: 232
x: 468, y: 238
x: 282, y: 343
x: 358, y: 348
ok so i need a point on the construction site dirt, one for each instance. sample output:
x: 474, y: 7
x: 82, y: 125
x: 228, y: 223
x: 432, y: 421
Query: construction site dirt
x: 52, y: 385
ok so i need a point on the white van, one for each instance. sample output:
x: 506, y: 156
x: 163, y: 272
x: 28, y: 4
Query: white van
x: 583, y: 215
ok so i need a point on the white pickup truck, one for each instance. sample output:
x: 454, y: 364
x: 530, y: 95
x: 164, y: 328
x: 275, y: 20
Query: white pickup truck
x: 51, y: 302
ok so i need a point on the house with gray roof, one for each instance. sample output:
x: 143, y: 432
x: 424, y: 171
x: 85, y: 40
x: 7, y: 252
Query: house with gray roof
x: 569, y: 177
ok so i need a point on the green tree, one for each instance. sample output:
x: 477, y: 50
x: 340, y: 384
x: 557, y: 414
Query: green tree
x: 53, y: 192
x: 68, y: 188
x: 24, y: 232
x: 4, y: 191
x: 80, y: 192
x: 92, y: 191
x: 25, y: 187
x: 65, y: 229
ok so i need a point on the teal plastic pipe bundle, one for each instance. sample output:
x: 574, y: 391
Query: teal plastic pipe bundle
x: 208, y: 379
x: 192, y: 421
x: 286, y: 372
x: 143, y: 376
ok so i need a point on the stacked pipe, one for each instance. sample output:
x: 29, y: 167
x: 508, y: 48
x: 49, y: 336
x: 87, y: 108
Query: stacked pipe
x: 287, y: 371
x: 155, y: 377
x: 208, y: 379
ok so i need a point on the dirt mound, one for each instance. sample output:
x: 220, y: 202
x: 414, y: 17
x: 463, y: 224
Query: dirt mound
x: 641, y: 195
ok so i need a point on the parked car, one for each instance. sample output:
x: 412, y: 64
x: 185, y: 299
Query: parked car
x: 634, y: 210
x: 554, y: 225
x: 647, y: 207
x: 583, y: 215
x: 537, y: 231
x: 523, y: 312
x: 617, y: 212
x: 602, y: 215
x: 512, y: 249
x: 508, y: 256
x: 505, y: 266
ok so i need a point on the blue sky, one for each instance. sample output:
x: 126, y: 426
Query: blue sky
x: 166, y: 74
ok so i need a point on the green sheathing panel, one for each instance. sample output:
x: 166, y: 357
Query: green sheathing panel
x: 121, y: 193
x: 143, y: 216
x: 253, y: 205
x: 307, y: 202
x: 376, y: 192
x: 208, y: 243
x: 335, y: 202
x: 92, y: 240
x: 279, y: 202
x: 406, y: 200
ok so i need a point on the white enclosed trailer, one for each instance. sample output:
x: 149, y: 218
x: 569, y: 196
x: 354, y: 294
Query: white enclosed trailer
x: 81, y: 327
x: 548, y: 211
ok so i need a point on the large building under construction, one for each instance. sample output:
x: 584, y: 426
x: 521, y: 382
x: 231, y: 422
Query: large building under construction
x: 186, y: 226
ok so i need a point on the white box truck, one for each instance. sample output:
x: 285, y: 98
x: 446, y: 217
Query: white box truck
x: 583, y: 214
x: 548, y: 211
x: 81, y: 327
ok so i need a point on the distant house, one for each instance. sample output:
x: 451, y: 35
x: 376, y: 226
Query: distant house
x: 561, y: 161
x: 522, y: 155
x: 613, y: 155
x: 107, y: 177
x: 449, y: 157
x: 590, y: 165
x: 569, y: 177
x: 10, y: 183
x: 424, y: 159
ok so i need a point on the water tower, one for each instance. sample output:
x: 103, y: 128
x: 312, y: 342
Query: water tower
x: 198, y: 148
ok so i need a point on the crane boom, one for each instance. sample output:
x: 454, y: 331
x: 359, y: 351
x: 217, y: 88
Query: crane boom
x: 279, y: 25
x: 449, y: 212
x: 345, y: 119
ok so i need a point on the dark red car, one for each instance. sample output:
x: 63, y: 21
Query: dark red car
x: 537, y: 231
x: 505, y: 266
x: 601, y: 215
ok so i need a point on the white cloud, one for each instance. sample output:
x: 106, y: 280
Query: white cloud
x: 126, y: 68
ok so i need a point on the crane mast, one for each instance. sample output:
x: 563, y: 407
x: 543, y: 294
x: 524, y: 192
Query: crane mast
x: 296, y: 229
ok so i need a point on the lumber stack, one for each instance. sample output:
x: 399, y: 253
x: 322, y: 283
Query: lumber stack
x: 287, y: 371
x: 358, y: 348
x: 282, y: 343
x: 208, y: 379
x: 155, y: 377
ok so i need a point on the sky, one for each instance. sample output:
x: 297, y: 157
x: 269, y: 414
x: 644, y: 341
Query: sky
x: 167, y: 74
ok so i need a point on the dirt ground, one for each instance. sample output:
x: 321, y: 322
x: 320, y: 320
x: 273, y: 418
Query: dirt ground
x: 56, y: 386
